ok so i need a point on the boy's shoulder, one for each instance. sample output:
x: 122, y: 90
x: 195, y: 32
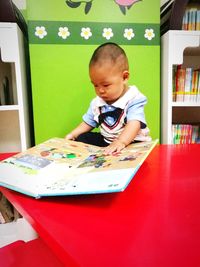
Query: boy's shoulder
x: 132, y: 91
x: 131, y: 94
x: 131, y: 97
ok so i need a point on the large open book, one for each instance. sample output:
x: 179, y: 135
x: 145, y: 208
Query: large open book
x: 63, y: 167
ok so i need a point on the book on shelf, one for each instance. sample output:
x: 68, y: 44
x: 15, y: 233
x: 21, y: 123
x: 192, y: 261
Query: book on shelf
x: 191, y: 19
x: 185, y: 134
x: 198, y: 21
x: 194, y: 88
x: 64, y: 167
x: 180, y: 83
x: 174, y: 68
x: 198, y: 89
x: 186, y: 84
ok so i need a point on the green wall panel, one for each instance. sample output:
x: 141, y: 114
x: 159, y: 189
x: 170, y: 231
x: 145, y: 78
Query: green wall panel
x: 59, y: 67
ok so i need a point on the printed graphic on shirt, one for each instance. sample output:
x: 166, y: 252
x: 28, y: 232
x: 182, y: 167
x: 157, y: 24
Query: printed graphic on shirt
x: 111, y: 118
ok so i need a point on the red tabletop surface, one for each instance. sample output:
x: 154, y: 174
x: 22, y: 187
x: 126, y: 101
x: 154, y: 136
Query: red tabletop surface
x: 154, y: 222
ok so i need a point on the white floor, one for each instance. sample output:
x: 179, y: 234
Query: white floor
x: 18, y: 230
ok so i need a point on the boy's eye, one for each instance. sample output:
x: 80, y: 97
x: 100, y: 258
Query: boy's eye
x: 106, y: 85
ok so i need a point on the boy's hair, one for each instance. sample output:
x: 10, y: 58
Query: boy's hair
x: 110, y: 52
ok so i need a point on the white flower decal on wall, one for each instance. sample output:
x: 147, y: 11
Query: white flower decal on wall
x: 86, y: 33
x: 40, y: 32
x: 129, y: 34
x: 107, y: 33
x: 149, y: 34
x: 63, y: 32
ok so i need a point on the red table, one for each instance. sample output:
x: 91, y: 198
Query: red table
x: 154, y: 222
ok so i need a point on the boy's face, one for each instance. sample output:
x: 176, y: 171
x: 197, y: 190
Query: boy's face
x: 109, y: 81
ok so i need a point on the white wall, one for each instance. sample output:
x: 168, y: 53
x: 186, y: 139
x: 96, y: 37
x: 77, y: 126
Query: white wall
x: 21, y: 4
x: 162, y: 2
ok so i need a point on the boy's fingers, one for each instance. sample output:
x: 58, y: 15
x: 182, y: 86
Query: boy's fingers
x: 110, y: 150
x: 69, y: 137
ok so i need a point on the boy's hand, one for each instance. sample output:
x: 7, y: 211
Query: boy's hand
x: 69, y: 137
x: 114, y: 147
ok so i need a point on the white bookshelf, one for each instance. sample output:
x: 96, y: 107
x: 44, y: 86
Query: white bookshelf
x: 177, y: 47
x: 14, y: 117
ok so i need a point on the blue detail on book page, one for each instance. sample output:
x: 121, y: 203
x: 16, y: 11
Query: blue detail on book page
x: 32, y: 161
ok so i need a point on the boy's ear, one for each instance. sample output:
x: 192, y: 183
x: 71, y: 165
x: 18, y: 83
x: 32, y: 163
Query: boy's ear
x: 126, y: 75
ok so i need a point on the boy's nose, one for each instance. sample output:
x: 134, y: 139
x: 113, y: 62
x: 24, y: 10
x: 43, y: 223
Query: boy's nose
x: 101, y: 89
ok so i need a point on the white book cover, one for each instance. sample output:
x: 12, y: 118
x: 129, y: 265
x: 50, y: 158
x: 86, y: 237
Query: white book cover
x: 188, y: 85
x: 198, y: 21
x: 64, y: 167
x: 198, y: 89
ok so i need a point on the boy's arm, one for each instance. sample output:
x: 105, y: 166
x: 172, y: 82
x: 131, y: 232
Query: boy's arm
x: 125, y: 138
x: 81, y: 128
